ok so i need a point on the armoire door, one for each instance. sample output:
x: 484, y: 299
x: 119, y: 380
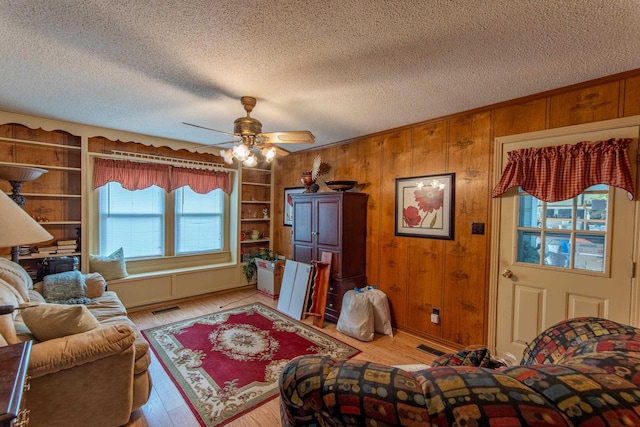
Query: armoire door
x: 303, y: 241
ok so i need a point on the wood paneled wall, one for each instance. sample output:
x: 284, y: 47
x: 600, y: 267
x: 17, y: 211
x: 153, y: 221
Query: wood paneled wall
x: 420, y: 274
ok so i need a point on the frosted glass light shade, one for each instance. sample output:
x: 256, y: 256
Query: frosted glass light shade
x: 17, y: 227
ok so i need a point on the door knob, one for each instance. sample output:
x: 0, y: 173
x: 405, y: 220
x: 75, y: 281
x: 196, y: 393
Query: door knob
x: 507, y: 273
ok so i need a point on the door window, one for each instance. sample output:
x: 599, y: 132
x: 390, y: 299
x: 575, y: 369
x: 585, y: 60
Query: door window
x: 570, y: 234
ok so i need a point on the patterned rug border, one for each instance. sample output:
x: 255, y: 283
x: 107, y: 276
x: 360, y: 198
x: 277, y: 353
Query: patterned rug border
x: 245, y: 308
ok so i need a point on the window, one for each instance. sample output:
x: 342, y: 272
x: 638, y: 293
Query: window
x: 570, y: 234
x: 152, y: 223
x: 199, y: 221
x: 133, y: 220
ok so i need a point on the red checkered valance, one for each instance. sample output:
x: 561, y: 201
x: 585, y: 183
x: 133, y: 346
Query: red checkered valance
x: 139, y: 175
x: 131, y: 175
x: 200, y: 180
x: 561, y: 172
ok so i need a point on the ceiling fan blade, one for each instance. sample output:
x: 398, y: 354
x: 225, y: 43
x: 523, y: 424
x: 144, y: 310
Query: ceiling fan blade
x: 214, y: 130
x: 215, y: 145
x: 290, y: 137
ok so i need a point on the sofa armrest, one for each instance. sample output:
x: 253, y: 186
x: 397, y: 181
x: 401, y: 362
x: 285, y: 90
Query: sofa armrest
x: 319, y: 390
x: 67, y: 352
x: 554, y: 341
x: 322, y: 391
x: 301, y: 384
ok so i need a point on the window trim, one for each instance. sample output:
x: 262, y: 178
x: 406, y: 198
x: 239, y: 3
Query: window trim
x: 574, y: 231
x: 169, y: 262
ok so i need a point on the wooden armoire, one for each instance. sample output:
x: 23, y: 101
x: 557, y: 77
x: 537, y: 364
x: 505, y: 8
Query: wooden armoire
x: 333, y: 222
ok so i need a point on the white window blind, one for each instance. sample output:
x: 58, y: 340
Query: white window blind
x: 199, y: 220
x: 133, y: 220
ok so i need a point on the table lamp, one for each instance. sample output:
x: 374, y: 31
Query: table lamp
x: 18, y: 228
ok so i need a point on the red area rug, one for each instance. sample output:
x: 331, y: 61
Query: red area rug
x: 229, y: 362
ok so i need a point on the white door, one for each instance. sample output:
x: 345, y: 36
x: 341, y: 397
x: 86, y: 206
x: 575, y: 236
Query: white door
x: 561, y: 260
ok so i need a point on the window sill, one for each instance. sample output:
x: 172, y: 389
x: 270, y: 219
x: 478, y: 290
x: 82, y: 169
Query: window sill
x: 168, y: 272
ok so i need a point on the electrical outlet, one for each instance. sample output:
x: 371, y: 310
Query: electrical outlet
x: 477, y: 228
x: 435, y: 318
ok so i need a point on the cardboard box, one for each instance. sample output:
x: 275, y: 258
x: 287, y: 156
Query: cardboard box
x: 589, y: 262
x: 590, y: 248
x: 269, y: 277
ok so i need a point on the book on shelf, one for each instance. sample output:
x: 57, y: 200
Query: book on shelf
x: 65, y: 251
x: 67, y: 242
x: 74, y: 246
x: 46, y: 249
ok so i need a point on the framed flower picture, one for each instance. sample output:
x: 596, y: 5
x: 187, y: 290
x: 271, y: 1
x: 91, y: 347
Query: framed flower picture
x: 424, y: 206
x: 288, y: 204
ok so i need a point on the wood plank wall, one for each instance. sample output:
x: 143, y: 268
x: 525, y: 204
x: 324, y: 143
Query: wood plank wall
x: 420, y: 274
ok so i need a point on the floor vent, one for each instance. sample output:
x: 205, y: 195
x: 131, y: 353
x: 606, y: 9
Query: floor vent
x: 431, y: 350
x: 164, y: 310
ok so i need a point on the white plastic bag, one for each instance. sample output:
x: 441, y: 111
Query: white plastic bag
x: 381, y: 313
x: 356, y: 316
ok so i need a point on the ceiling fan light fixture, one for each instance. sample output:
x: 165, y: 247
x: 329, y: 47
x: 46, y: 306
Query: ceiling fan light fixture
x: 251, y: 161
x: 269, y: 154
x: 227, y: 155
x: 249, y: 131
x: 241, y: 152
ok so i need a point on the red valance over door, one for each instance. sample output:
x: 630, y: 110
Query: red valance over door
x: 562, y: 172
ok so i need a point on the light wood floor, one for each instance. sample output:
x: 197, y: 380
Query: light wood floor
x: 167, y: 408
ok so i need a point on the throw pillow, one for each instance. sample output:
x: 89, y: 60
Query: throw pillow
x: 49, y: 321
x: 96, y: 285
x: 8, y: 296
x: 478, y: 357
x: 67, y: 287
x: 15, y: 275
x: 111, y: 267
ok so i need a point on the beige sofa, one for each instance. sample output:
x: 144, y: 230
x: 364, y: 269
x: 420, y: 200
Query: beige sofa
x: 92, y: 378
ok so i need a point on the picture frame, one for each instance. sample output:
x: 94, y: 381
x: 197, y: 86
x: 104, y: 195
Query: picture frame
x: 288, y: 206
x: 424, y: 206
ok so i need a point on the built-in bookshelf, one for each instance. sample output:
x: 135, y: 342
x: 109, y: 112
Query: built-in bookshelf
x: 55, y: 198
x: 256, y: 209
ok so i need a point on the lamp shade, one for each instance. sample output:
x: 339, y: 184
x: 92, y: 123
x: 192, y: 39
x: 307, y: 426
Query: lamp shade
x: 17, y: 227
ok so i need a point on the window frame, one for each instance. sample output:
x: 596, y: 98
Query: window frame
x: 224, y: 215
x: 547, y: 234
x: 171, y: 260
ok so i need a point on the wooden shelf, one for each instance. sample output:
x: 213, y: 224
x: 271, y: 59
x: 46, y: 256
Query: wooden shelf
x: 42, y: 166
x: 43, y: 144
x: 259, y: 184
x: 30, y: 195
x: 41, y: 256
x: 45, y: 223
x: 251, y: 241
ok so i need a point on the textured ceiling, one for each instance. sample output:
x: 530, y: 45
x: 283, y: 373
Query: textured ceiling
x: 340, y: 69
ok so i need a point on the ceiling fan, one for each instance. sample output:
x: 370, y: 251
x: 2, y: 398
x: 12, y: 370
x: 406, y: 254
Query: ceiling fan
x: 248, y: 131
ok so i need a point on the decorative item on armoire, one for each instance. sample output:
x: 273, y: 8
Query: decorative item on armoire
x: 309, y: 178
x: 341, y: 185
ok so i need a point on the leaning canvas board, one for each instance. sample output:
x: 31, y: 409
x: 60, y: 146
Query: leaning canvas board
x: 295, y: 288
